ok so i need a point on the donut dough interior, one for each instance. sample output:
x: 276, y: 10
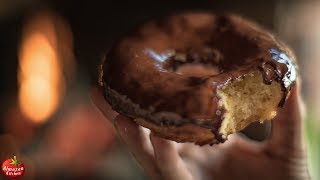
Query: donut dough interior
x: 248, y: 100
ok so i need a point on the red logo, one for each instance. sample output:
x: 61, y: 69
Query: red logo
x: 12, y: 168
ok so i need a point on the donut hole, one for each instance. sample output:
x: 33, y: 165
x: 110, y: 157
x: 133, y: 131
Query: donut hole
x: 197, y: 61
x: 248, y: 100
x: 197, y: 70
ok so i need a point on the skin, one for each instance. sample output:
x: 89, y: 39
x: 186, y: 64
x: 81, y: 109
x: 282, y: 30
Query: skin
x: 282, y: 156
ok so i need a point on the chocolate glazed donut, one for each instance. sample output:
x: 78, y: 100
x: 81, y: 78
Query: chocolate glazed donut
x: 198, y: 77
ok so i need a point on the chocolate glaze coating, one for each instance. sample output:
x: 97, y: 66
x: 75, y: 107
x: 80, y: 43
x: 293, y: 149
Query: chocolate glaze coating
x: 143, y: 67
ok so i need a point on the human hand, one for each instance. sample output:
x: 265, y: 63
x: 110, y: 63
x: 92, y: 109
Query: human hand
x: 281, y: 157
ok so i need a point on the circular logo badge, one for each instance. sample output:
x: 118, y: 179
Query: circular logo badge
x: 11, y: 168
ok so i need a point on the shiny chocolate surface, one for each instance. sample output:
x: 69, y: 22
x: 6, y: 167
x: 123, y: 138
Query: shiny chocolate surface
x: 153, y: 66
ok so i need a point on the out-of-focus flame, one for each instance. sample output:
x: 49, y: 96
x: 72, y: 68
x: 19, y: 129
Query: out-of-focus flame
x: 40, y: 74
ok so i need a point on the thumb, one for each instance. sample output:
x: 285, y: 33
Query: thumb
x: 287, y: 129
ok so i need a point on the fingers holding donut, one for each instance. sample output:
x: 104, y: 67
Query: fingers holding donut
x: 161, y: 161
x: 153, y: 158
x: 138, y: 144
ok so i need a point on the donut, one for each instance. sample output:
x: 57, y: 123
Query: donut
x: 197, y: 76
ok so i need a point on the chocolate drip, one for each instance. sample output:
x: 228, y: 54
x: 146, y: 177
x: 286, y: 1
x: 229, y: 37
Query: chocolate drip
x: 279, y: 68
x: 219, y: 137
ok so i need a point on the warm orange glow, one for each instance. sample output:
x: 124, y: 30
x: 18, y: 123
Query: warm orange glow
x: 40, y: 74
x: 38, y: 58
x: 38, y: 99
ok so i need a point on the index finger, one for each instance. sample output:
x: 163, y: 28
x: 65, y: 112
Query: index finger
x: 98, y: 99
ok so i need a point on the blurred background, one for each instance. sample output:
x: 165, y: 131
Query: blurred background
x: 50, y: 51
